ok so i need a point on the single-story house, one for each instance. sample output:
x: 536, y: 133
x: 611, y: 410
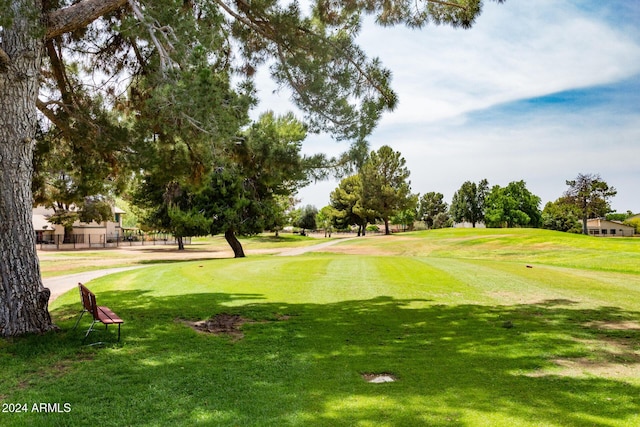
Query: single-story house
x: 467, y: 224
x: 93, y: 232
x: 604, y: 228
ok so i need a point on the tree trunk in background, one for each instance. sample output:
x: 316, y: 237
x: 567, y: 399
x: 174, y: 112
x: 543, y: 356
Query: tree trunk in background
x: 23, y: 300
x: 233, y: 241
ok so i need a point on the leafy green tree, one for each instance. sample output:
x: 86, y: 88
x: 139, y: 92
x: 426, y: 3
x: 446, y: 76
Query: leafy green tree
x: 68, y: 206
x: 633, y: 222
x: 307, y: 219
x: 340, y: 89
x: 72, y: 177
x: 561, y: 215
x: 169, y: 208
x: 512, y: 206
x: 617, y: 216
x: 407, y: 217
x: 132, y: 217
x: 244, y: 195
x: 187, y: 223
x: 468, y: 202
x: 346, y: 200
x: 431, y: 205
x: 442, y: 220
x: 590, y: 195
x: 325, y: 219
x: 386, y: 189
x: 282, y: 213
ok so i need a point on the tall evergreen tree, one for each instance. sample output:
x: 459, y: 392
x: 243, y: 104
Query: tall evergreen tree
x: 243, y: 195
x: 432, y: 206
x: 590, y: 194
x: 306, y: 220
x: 386, y: 189
x: 347, y: 203
x: 468, y: 202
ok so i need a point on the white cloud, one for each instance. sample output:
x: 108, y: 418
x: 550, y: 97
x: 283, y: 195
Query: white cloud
x: 516, y: 50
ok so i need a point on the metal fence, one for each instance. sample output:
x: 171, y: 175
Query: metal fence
x: 88, y: 241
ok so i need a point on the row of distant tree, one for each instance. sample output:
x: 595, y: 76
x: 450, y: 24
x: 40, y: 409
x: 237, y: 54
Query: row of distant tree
x: 381, y: 192
x: 587, y: 196
x: 377, y: 190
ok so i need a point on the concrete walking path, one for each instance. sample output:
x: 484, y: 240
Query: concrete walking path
x: 305, y: 249
x: 61, y: 284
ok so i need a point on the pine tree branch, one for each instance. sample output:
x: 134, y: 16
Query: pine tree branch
x: 58, y: 72
x: 447, y: 3
x: 49, y: 114
x: 165, y: 58
x: 78, y: 16
x: 244, y: 19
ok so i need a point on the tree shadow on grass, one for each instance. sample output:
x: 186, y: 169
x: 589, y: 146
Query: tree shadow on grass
x: 302, y: 364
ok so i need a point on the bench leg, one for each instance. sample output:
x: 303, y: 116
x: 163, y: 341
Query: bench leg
x: 89, y: 331
x: 78, y: 321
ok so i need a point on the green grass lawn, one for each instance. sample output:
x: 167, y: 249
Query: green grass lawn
x: 472, y: 336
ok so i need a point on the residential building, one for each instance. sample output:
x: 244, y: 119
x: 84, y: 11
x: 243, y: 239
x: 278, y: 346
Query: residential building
x: 88, y: 233
x: 601, y: 227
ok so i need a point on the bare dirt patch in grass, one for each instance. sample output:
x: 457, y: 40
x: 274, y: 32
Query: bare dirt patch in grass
x: 221, y: 324
x: 580, y: 367
x: 610, y: 358
x: 615, y: 326
x: 225, y: 324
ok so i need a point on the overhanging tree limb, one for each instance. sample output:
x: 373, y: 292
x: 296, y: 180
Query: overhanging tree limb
x: 165, y: 58
x: 78, y: 16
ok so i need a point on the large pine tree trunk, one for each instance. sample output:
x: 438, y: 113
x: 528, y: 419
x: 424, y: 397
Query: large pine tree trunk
x: 235, y: 244
x: 23, y: 300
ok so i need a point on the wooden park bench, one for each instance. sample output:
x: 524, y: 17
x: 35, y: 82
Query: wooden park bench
x: 100, y: 314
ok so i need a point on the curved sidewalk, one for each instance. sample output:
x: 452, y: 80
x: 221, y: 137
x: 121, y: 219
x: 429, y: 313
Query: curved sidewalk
x: 305, y: 249
x: 61, y: 284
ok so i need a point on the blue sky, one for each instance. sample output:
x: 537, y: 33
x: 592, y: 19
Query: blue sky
x: 536, y: 91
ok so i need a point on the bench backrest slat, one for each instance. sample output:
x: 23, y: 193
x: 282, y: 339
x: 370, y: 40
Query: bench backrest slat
x: 88, y: 301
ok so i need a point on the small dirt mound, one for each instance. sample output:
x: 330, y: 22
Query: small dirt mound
x: 221, y: 324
